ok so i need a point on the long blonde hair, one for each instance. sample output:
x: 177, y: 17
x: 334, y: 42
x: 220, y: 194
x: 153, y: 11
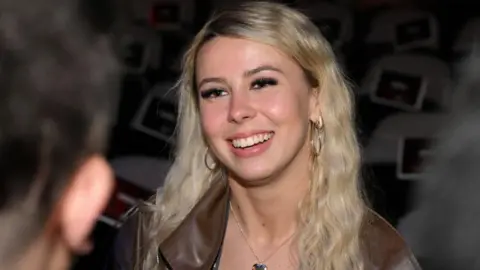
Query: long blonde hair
x: 331, y: 215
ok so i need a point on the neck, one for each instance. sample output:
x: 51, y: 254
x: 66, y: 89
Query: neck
x: 269, y: 213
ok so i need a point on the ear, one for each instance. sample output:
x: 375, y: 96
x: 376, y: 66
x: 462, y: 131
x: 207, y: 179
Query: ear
x: 315, y: 114
x: 84, y: 201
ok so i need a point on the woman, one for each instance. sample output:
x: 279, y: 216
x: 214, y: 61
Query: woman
x: 266, y: 171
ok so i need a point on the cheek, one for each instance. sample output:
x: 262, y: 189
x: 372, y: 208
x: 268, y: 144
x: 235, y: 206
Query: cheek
x: 212, y: 120
x: 286, y: 107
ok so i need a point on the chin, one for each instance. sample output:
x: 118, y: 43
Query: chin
x: 252, y: 176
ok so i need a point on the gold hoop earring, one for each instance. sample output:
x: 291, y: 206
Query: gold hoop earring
x: 213, y: 164
x: 316, y: 136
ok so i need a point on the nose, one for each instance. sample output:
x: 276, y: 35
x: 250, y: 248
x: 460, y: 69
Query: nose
x: 240, y: 108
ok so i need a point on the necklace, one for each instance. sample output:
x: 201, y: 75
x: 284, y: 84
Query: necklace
x: 260, y: 265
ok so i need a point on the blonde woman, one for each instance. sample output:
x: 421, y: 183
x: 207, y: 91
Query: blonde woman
x: 266, y: 170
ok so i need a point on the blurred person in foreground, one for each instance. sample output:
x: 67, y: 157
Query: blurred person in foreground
x: 444, y: 229
x: 57, y: 91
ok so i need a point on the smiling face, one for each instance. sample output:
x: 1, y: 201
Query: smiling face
x: 255, y: 104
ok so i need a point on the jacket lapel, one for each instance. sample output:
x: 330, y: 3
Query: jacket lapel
x: 196, y: 243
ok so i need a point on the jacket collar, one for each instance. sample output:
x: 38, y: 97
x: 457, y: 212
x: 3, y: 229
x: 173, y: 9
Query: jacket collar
x: 197, y: 241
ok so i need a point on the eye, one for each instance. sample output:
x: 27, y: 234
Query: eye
x: 212, y: 93
x: 263, y: 82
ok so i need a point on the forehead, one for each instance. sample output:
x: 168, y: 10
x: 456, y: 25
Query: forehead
x: 227, y: 56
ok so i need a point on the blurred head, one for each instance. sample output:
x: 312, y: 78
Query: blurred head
x: 263, y: 73
x: 444, y: 231
x: 57, y: 84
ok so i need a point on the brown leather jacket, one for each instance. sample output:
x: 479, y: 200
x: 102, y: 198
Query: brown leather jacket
x: 197, y: 242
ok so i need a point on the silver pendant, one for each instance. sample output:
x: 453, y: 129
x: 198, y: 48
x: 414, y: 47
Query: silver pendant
x: 259, y: 266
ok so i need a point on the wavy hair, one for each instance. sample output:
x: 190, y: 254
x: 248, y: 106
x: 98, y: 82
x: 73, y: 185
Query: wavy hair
x: 331, y: 215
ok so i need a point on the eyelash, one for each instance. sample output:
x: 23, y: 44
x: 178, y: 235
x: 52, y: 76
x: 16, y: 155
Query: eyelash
x: 212, y: 93
x: 264, y: 82
x: 256, y: 84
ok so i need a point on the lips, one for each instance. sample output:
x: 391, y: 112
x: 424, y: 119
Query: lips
x: 252, y: 140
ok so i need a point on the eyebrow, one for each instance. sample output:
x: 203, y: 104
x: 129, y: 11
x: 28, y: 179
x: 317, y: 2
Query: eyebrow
x: 251, y: 72
x: 247, y: 73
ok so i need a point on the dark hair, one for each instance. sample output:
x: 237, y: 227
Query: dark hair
x: 58, y: 83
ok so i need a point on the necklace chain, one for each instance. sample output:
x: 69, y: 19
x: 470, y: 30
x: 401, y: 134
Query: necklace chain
x: 242, y: 232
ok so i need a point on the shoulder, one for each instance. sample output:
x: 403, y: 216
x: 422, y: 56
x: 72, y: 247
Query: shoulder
x: 130, y: 236
x: 123, y: 248
x: 384, y: 248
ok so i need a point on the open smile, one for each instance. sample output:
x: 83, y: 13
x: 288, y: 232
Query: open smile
x: 252, y: 140
x: 252, y: 145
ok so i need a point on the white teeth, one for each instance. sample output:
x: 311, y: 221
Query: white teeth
x: 252, y: 140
